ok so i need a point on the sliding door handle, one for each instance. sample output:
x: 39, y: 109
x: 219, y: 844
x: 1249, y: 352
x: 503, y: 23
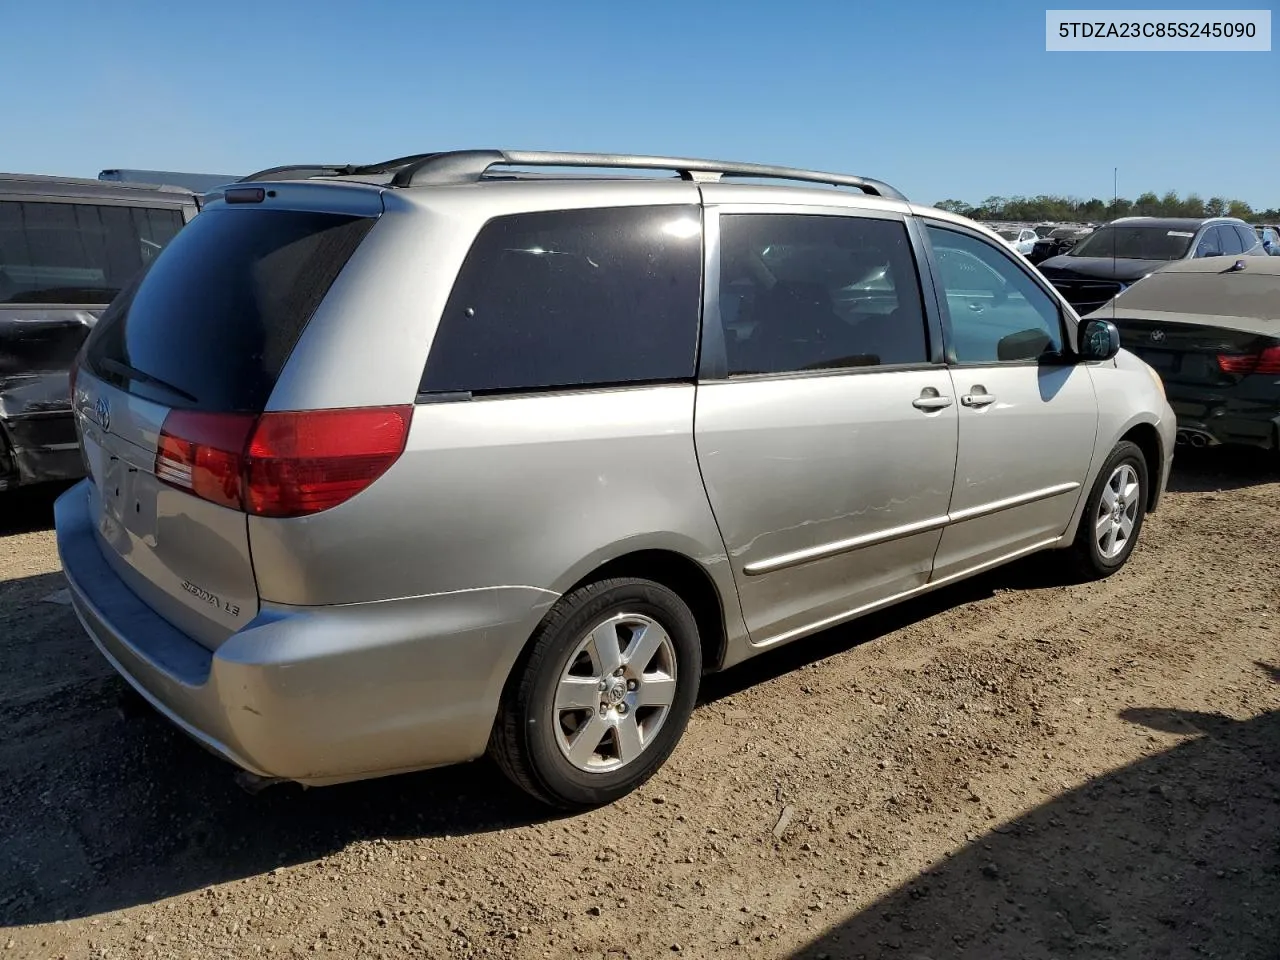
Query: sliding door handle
x: 931, y: 403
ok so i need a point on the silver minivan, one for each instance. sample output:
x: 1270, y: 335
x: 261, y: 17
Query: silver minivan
x: 475, y: 452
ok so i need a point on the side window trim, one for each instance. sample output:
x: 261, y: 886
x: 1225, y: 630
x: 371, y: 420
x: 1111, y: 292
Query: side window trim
x: 1065, y: 330
x: 713, y: 361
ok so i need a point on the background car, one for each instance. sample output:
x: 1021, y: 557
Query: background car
x: 67, y: 247
x: 1211, y: 329
x: 1270, y: 237
x: 1124, y: 251
x: 1021, y: 239
x: 1057, y: 240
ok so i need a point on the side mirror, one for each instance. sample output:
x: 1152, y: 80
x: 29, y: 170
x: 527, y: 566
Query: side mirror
x: 1099, y: 340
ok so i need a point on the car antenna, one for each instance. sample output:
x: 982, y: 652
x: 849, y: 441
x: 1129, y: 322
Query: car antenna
x: 1115, y: 207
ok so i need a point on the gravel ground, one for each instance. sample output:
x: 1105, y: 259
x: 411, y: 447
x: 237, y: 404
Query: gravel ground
x: 1007, y: 769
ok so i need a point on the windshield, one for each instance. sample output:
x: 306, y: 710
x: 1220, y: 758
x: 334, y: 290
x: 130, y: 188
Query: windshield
x: 1135, y: 243
x: 1008, y: 234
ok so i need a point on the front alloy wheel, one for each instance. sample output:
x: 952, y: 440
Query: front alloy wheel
x: 1117, y: 512
x: 1113, y: 515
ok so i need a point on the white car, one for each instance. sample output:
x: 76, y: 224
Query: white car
x: 1021, y: 239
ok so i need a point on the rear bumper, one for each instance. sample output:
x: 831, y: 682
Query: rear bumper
x: 39, y: 447
x: 313, y: 694
x: 1210, y: 419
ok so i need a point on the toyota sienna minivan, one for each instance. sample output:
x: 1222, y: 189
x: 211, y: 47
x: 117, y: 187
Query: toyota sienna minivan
x: 473, y: 452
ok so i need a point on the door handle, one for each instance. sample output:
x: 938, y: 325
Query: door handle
x: 931, y: 403
x: 978, y: 399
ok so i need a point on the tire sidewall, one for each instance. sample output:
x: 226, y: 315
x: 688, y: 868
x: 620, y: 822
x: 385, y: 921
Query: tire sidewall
x: 558, y: 777
x: 1124, y: 453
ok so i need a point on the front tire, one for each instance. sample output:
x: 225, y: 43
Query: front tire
x: 602, y: 695
x: 1113, y: 514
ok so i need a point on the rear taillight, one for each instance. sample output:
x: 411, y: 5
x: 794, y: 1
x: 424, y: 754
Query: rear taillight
x: 203, y: 453
x: 287, y: 464
x: 1266, y: 362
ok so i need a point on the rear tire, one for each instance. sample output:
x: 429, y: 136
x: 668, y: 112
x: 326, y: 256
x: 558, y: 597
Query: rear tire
x: 1113, y: 515
x: 601, y: 696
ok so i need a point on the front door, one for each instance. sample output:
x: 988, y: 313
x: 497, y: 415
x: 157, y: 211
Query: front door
x: 825, y: 424
x: 1027, y: 418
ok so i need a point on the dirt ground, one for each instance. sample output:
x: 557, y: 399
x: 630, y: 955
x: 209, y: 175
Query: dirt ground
x: 1009, y: 769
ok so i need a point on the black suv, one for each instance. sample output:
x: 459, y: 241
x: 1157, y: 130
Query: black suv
x: 67, y: 247
x: 1124, y: 251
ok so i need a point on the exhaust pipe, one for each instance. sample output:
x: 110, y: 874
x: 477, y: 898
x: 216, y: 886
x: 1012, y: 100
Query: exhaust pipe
x: 252, y: 783
x: 1195, y: 438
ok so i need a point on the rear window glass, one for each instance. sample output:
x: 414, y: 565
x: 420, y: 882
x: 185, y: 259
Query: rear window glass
x: 213, y: 321
x: 1136, y: 243
x: 573, y: 298
x: 77, y: 253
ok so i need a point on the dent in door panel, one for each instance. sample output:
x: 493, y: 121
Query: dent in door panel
x: 828, y: 490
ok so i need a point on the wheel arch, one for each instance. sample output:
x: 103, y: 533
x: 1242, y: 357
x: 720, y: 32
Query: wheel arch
x: 1146, y: 435
x: 1148, y: 440
x: 688, y: 579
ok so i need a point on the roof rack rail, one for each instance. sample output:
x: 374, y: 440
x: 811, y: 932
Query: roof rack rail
x: 469, y: 166
x: 334, y: 169
x: 311, y: 169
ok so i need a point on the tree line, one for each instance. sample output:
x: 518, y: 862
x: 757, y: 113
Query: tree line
x: 1072, y: 209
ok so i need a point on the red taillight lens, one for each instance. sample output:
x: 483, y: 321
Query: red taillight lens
x: 1266, y: 362
x: 301, y: 463
x: 203, y: 453
x: 281, y: 464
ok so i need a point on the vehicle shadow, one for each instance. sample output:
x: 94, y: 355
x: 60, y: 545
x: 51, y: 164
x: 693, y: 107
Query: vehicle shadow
x: 1212, y: 469
x: 28, y: 509
x: 1037, y: 572
x: 1177, y: 855
x: 105, y: 805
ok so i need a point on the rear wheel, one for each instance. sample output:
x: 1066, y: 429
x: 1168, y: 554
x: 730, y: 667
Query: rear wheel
x: 603, y: 694
x: 1113, y: 514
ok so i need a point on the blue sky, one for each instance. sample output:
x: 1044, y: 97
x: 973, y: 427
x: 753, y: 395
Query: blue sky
x: 942, y: 99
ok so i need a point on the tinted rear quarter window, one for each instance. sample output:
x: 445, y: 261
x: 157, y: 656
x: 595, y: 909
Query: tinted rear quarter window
x: 573, y: 298
x: 77, y: 253
x: 212, y: 322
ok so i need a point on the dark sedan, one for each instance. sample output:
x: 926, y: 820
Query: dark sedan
x: 1211, y: 329
x: 1124, y: 251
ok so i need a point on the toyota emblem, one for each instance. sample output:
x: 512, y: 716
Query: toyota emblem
x: 1157, y: 336
x: 103, y: 409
